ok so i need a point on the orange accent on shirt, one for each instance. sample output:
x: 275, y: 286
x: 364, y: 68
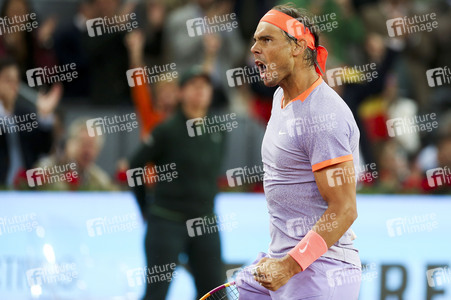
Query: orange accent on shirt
x: 331, y: 162
x: 304, y: 94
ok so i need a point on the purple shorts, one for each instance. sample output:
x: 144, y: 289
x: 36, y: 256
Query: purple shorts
x: 325, y: 279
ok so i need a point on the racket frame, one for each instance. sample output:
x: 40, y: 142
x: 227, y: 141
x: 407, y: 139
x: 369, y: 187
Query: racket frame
x: 225, y: 285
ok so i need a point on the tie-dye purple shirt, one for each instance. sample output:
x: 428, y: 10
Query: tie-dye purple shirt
x: 314, y: 131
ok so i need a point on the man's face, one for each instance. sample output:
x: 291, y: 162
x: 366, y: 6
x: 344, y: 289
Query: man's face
x: 9, y: 85
x: 197, y: 93
x: 272, y: 49
x: 84, y: 149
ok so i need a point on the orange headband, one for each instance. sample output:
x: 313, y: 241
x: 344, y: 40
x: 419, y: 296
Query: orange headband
x: 295, y: 28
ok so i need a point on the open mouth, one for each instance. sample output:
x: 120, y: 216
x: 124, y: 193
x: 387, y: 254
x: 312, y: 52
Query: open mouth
x: 262, y: 69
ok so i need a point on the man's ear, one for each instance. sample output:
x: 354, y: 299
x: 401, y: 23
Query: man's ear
x: 299, y: 47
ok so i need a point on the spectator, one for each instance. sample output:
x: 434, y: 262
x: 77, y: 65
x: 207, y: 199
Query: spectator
x: 20, y: 149
x: 151, y: 15
x: 355, y: 94
x: 81, y: 149
x: 107, y: 59
x: 197, y: 161
x: 30, y: 48
x: 151, y: 110
x: 341, y: 28
x: 69, y: 49
x: 444, y: 162
x: 249, y: 13
x: 393, y: 168
x: 150, y: 113
x: 419, y: 50
x: 440, y: 181
x: 225, y: 50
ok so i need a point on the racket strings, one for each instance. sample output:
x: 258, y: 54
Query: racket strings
x: 228, y: 293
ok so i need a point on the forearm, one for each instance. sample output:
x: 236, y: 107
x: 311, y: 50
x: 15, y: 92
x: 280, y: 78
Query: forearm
x: 329, y: 228
x: 334, y: 223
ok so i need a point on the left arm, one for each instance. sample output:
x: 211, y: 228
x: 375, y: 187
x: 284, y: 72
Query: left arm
x: 341, y: 212
x: 341, y: 200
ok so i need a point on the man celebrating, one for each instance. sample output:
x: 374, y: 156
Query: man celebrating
x: 309, y: 152
x: 19, y: 148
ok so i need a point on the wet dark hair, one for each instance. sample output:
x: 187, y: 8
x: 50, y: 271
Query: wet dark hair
x: 304, y: 17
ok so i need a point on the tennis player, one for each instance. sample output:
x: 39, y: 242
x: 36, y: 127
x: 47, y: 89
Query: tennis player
x: 310, y: 151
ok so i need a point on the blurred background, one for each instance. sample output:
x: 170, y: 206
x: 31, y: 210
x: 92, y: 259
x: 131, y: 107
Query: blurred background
x: 404, y: 174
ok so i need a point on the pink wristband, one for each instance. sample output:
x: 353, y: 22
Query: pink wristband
x: 309, y: 249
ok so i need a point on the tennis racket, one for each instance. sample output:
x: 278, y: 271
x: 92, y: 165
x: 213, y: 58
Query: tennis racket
x: 226, y: 291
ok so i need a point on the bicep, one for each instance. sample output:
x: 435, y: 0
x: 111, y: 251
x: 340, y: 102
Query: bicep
x: 337, y: 183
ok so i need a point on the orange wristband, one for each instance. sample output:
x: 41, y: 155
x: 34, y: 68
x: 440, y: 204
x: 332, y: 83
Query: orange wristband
x: 309, y: 249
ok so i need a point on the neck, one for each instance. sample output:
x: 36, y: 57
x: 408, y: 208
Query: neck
x: 297, y: 83
x: 194, y: 112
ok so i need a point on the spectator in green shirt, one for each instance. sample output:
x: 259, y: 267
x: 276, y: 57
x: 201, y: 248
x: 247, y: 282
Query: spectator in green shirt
x: 185, y: 172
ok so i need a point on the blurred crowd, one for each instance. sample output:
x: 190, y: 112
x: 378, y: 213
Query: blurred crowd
x: 399, y: 163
